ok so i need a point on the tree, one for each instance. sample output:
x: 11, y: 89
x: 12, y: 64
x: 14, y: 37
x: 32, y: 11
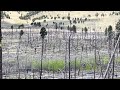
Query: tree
x: 89, y: 15
x: 0, y: 53
x: 35, y: 24
x: 86, y: 30
x: 69, y: 42
x: 96, y: 14
x: 43, y: 33
x: 74, y: 21
x: 2, y: 14
x: 118, y: 33
x: 118, y: 26
x: 111, y: 59
x: 61, y: 28
x: 68, y: 17
x: 110, y: 32
x: 39, y: 24
x: 21, y: 33
x: 77, y: 19
x: 56, y: 26
x: 55, y: 18
x: 68, y: 28
x: 74, y: 28
x: 12, y: 29
x: 51, y: 17
x: 63, y: 18
x: 106, y: 32
x: 102, y: 15
x: 74, y: 31
x: 18, y: 66
x: 31, y: 23
x: 44, y: 21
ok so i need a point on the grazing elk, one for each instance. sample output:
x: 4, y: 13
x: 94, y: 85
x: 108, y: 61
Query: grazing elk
x: 73, y: 28
x: 12, y: 27
x: 21, y: 26
x: 21, y: 33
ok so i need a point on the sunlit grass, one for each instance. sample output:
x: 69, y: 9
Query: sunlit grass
x: 56, y: 65
x: 59, y: 65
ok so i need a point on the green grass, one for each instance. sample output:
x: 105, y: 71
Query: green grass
x: 118, y: 59
x: 105, y: 59
x: 49, y: 65
x: 56, y: 65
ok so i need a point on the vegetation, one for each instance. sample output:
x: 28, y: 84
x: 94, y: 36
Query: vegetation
x: 29, y: 14
x: 4, y: 15
x: 118, y: 32
x: 52, y: 48
x: 60, y: 64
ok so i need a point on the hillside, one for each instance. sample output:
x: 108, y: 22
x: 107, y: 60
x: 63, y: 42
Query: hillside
x: 27, y: 17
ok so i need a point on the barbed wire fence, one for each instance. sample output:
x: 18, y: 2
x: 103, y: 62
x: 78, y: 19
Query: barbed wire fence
x: 89, y: 56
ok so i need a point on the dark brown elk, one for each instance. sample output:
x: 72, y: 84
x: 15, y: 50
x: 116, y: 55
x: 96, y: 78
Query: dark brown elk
x: 21, y: 26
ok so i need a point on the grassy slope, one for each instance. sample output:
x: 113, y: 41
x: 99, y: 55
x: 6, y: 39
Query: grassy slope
x: 103, y: 22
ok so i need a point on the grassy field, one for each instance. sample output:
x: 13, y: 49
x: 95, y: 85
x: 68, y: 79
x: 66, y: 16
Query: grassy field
x: 25, y: 53
x: 57, y: 65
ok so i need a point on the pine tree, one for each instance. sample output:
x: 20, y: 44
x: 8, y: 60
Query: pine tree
x: 43, y: 33
x: 118, y: 32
